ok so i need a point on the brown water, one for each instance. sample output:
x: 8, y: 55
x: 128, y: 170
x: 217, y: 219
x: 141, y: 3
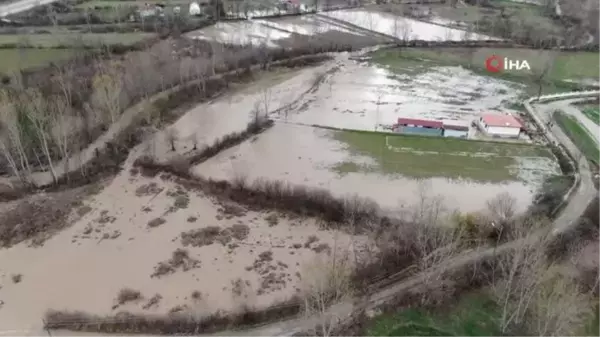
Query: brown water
x: 305, y: 155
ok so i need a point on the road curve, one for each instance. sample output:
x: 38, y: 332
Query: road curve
x: 586, y: 191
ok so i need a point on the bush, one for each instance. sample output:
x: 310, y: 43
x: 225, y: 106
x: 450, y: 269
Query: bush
x: 128, y: 295
x: 168, y: 324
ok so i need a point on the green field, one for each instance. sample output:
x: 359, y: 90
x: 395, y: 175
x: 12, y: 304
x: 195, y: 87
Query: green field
x: 72, y: 39
x: 474, y: 315
x: 563, y: 65
x: 578, y: 135
x: 422, y: 156
x: 15, y: 59
x: 592, y: 112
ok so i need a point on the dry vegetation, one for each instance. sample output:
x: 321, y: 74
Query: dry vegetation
x: 180, y: 260
x: 49, y: 117
x: 211, y: 234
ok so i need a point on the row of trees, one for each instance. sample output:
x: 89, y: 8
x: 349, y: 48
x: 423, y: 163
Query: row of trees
x: 84, y: 97
x: 535, y: 294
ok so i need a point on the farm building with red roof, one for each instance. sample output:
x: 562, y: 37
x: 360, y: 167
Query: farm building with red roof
x: 498, y: 125
x: 419, y: 126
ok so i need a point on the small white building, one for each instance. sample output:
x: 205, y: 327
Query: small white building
x: 195, y: 9
x: 498, y: 125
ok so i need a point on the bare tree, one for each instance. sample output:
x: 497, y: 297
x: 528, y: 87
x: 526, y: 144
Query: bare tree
x: 266, y: 100
x: 559, y: 308
x: 171, y: 135
x: 107, y: 92
x: 39, y: 113
x: 519, y: 273
x: 539, y: 74
x: 60, y: 131
x: 325, y: 282
x: 502, y: 207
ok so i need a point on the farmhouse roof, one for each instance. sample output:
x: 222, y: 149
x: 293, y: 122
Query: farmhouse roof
x: 501, y: 120
x: 420, y: 122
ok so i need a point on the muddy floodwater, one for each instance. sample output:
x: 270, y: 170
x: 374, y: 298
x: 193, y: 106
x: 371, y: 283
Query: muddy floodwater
x: 362, y: 96
x: 305, y: 155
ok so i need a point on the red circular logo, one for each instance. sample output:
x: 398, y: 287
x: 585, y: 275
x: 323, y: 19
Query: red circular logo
x: 494, y: 64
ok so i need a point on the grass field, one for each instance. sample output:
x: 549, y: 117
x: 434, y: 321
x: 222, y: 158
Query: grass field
x: 564, y: 65
x: 89, y: 39
x: 474, y: 315
x: 592, y: 112
x: 422, y: 157
x: 578, y: 135
x: 15, y: 59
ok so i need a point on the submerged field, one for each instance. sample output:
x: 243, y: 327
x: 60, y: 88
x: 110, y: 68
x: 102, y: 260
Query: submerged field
x: 366, y: 96
x: 401, y: 27
x: 424, y: 157
x: 563, y: 67
x: 350, y: 163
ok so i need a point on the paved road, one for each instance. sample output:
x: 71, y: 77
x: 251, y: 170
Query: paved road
x: 568, y: 107
x: 586, y: 192
x: 21, y: 6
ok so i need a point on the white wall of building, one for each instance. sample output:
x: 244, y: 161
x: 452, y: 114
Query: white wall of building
x: 503, y: 131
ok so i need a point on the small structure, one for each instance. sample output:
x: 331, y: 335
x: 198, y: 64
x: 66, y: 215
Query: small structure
x: 503, y: 126
x: 456, y: 129
x: 419, y: 127
x: 195, y: 9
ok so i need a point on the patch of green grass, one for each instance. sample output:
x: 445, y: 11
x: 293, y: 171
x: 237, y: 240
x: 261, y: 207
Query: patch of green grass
x: 71, y: 39
x: 593, y: 113
x: 578, y: 135
x: 15, y: 59
x: 422, y: 156
x: 565, y: 65
x: 474, y: 315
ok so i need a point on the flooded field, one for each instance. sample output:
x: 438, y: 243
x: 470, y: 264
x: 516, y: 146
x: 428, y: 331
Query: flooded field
x: 271, y: 32
x: 232, y: 112
x: 363, y: 96
x: 182, y: 248
x: 274, y: 32
x: 401, y: 27
x: 391, y: 173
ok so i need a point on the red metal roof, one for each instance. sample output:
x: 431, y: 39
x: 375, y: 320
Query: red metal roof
x: 501, y: 120
x: 420, y: 122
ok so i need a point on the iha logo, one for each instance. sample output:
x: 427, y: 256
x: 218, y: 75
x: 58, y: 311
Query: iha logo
x: 495, y: 64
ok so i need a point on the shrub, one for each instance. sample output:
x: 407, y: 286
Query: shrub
x: 128, y: 295
x: 169, y: 324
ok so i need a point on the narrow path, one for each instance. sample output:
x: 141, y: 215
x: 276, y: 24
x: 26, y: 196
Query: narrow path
x: 568, y: 107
